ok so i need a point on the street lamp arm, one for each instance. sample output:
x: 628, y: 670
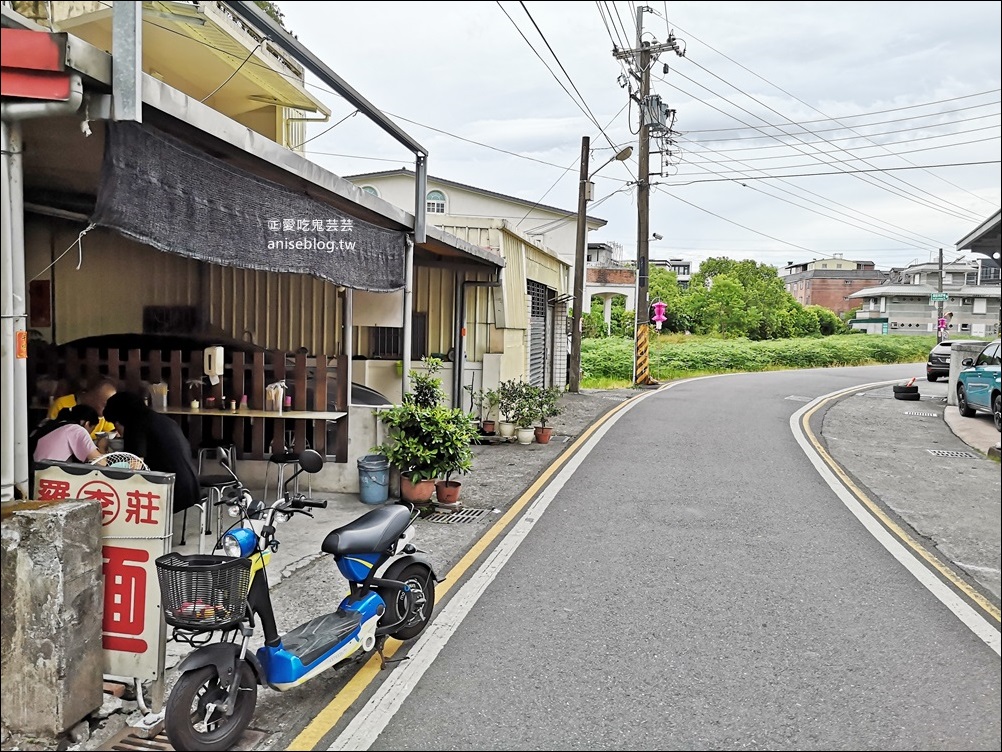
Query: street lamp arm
x: 621, y: 156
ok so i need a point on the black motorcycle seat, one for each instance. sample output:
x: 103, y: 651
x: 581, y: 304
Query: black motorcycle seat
x: 373, y: 532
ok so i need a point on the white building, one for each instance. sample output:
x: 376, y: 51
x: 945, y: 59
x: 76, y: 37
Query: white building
x: 909, y: 306
x: 527, y: 337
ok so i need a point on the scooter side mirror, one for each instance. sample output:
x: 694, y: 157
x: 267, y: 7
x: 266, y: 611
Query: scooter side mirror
x: 311, y: 461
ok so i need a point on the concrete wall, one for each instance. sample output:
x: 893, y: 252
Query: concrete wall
x: 50, y: 620
x: 959, y: 351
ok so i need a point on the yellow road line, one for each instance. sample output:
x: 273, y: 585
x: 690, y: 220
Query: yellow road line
x: 327, y: 718
x: 882, y: 516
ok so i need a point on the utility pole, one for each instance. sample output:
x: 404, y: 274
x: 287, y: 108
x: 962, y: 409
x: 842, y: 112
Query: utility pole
x: 940, y: 329
x: 641, y: 359
x: 650, y: 112
x: 580, y: 257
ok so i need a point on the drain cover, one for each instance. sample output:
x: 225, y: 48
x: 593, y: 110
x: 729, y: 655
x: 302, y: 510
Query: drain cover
x: 952, y: 453
x: 463, y: 515
x: 924, y: 415
x: 128, y: 739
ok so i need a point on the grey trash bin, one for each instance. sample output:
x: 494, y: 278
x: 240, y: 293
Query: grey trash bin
x: 373, y: 479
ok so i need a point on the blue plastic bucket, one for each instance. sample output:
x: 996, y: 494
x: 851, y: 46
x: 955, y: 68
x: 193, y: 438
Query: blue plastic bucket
x: 373, y: 479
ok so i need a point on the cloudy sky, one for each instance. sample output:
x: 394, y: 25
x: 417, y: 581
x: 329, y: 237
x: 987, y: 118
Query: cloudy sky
x: 802, y: 129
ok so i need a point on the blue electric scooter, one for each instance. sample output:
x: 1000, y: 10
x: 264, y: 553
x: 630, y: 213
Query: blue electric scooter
x: 392, y: 594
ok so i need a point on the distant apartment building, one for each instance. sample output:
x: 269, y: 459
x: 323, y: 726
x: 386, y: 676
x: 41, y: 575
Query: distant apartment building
x: 907, y: 303
x: 829, y: 282
x: 681, y: 267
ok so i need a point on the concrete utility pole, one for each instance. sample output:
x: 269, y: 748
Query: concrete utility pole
x: 940, y: 330
x: 580, y: 257
x: 641, y: 357
x: 650, y: 110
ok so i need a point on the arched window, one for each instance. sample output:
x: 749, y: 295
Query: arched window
x: 435, y: 202
x: 370, y: 190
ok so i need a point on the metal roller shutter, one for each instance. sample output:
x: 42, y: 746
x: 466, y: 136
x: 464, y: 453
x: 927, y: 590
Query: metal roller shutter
x: 537, y: 333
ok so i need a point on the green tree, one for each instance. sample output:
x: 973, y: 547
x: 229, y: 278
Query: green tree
x: 663, y: 285
x: 722, y: 308
x: 828, y: 322
x: 272, y: 10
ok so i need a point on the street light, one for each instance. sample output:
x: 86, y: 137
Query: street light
x: 584, y: 184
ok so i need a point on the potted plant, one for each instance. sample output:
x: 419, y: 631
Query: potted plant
x: 525, y: 412
x: 454, y: 434
x: 426, y: 440
x: 491, y: 400
x: 509, y: 395
x: 477, y: 404
x: 547, y: 406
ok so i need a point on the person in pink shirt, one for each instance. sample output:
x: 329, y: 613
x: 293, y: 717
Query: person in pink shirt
x: 68, y: 437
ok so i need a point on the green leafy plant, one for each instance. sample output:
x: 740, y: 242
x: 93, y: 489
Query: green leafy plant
x: 510, y: 394
x: 491, y: 401
x: 425, y: 439
x: 547, y: 404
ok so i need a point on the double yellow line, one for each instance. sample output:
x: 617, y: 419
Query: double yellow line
x: 327, y: 718
x: 889, y: 524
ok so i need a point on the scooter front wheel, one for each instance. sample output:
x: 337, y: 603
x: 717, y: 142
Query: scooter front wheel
x: 191, y: 723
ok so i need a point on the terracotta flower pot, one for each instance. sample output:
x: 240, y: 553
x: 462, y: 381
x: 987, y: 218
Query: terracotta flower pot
x: 543, y: 434
x: 417, y: 493
x: 488, y: 426
x: 447, y: 491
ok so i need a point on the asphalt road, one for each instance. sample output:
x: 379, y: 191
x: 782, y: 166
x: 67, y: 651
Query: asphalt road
x: 695, y: 584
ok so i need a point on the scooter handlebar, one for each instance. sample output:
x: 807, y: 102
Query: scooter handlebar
x: 301, y: 503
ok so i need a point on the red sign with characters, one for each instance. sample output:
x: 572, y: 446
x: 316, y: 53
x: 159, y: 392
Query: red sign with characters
x: 136, y: 529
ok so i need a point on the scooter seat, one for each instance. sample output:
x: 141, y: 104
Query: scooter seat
x: 373, y: 532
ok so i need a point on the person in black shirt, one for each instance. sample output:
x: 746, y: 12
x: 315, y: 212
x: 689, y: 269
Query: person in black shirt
x: 158, y: 440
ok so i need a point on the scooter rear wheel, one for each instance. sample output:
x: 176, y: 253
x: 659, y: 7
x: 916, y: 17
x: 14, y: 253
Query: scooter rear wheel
x: 185, y: 714
x: 422, y: 596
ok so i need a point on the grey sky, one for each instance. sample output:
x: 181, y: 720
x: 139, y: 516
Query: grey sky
x: 919, y: 79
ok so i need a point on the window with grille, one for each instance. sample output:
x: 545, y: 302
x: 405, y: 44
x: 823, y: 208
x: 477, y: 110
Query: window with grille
x: 388, y: 341
x: 435, y: 202
x: 537, y: 291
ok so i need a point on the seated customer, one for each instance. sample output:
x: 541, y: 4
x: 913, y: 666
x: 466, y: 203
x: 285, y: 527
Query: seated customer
x: 67, y: 438
x: 95, y: 394
x: 158, y: 440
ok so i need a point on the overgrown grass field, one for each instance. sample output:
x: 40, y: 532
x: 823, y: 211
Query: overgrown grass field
x: 608, y: 362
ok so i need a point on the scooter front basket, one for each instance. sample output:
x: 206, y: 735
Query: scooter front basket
x: 203, y: 592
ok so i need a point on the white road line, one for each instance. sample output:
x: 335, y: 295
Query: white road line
x: 370, y: 721
x: 980, y: 626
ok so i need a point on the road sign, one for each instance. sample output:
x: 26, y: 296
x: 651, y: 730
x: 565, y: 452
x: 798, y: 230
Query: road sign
x: 938, y: 296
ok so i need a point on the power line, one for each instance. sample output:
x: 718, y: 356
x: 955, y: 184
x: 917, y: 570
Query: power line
x: 700, y: 142
x: 730, y: 221
x: 882, y: 184
x: 819, y: 174
x: 326, y: 130
x: 875, y: 112
x: 806, y: 105
x: 745, y: 160
x: 591, y: 115
x: 580, y: 105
